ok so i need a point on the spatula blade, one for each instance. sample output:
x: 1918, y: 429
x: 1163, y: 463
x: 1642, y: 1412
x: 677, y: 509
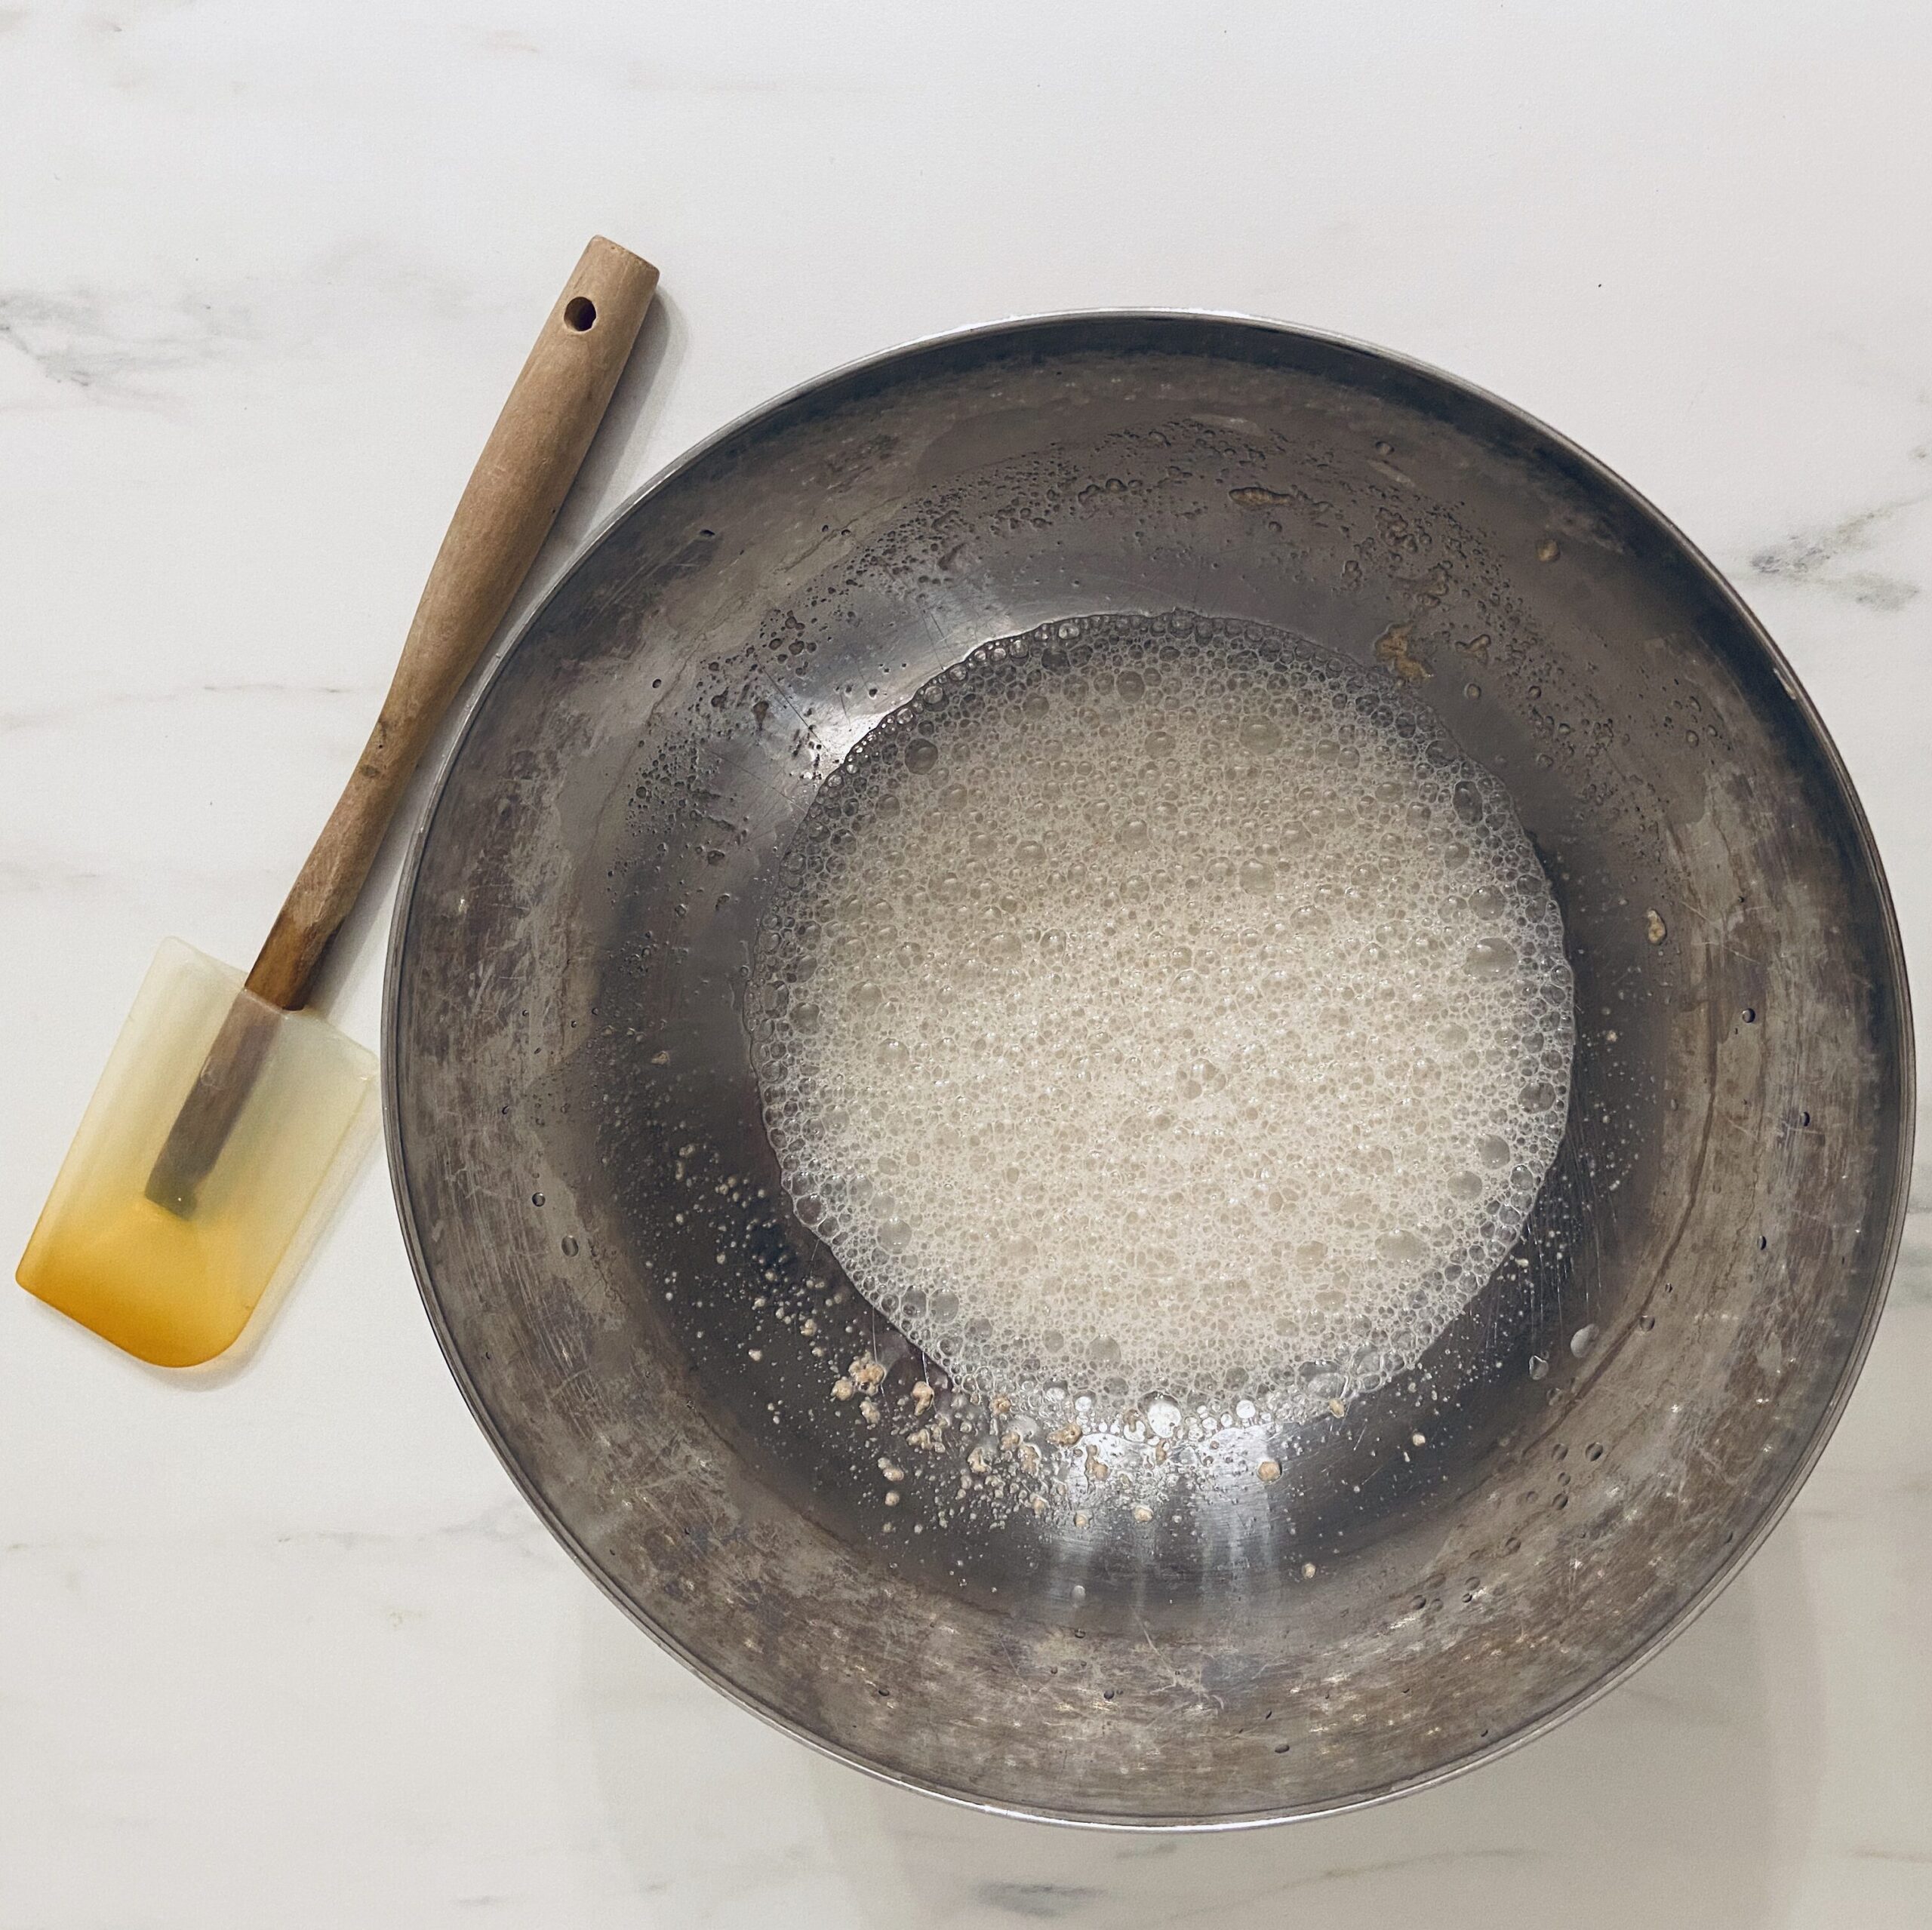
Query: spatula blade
x: 175, y: 1287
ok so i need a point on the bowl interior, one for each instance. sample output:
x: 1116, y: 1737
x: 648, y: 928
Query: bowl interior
x: 577, y: 1135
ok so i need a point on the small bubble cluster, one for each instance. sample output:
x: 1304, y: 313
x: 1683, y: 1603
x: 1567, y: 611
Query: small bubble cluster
x: 1163, y: 1008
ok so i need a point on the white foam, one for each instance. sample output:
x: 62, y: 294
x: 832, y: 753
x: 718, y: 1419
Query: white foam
x: 1158, y: 1007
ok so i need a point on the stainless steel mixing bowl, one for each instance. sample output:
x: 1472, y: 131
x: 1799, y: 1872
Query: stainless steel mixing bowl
x: 576, y: 1133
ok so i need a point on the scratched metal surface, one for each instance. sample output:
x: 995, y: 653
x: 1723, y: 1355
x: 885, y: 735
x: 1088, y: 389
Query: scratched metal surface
x: 1617, y: 1421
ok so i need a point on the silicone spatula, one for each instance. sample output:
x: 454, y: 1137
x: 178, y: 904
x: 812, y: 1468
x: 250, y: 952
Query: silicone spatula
x: 228, y: 1117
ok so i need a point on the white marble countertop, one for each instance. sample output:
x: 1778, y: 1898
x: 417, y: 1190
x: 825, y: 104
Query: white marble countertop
x: 289, y: 1650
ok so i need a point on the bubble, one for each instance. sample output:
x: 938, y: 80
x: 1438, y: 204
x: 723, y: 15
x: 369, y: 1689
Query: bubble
x: 1489, y: 956
x: 922, y: 755
x: 1163, y: 1417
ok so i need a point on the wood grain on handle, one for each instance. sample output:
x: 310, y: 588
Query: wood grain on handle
x: 512, y: 497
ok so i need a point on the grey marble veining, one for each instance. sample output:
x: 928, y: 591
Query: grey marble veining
x: 1829, y: 560
x: 80, y: 338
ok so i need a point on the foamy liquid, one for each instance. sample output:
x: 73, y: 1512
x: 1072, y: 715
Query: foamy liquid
x: 1163, y: 1008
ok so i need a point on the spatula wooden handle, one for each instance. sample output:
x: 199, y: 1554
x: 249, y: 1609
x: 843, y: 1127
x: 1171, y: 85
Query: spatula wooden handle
x: 513, y: 495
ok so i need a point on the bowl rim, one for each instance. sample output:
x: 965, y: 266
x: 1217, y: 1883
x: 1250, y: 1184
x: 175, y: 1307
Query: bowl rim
x: 1597, y: 472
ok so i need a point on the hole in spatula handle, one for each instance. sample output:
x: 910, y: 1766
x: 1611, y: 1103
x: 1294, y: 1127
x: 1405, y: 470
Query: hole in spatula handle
x: 579, y: 313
